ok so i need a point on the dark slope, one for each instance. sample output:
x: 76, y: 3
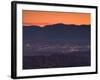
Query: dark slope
x: 56, y: 45
x: 57, y: 31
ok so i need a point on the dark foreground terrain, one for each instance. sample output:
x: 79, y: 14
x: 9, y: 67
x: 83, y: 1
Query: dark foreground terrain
x: 56, y: 45
x: 55, y: 60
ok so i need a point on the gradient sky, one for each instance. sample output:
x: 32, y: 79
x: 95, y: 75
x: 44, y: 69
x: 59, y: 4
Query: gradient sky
x: 41, y: 18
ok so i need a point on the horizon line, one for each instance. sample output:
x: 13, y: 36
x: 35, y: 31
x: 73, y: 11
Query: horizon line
x: 53, y: 24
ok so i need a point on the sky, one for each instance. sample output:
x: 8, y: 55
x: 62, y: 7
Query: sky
x: 42, y: 18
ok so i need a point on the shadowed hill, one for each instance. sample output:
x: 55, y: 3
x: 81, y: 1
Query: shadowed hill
x: 57, y: 31
x: 56, y: 45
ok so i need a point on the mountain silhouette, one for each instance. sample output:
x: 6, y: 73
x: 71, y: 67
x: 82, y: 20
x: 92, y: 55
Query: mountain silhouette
x: 56, y: 45
x: 58, y: 31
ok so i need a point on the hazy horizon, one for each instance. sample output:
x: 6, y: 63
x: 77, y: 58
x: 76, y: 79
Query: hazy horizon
x: 42, y: 26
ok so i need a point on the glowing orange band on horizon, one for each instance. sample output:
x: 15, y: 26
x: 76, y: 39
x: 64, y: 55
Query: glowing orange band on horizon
x: 41, y: 18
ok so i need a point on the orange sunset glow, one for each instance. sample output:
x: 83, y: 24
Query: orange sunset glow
x: 41, y: 18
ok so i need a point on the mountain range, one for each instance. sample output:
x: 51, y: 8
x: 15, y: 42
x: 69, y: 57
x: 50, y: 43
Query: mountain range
x: 56, y: 45
x: 57, y: 32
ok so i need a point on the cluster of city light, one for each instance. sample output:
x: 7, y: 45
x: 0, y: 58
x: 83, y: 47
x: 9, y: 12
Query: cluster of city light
x: 57, y: 47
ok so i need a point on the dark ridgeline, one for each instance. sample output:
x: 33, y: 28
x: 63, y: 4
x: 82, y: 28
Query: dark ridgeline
x: 56, y: 45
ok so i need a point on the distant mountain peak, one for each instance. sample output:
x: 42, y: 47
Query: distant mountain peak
x: 59, y: 24
x: 55, y: 25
